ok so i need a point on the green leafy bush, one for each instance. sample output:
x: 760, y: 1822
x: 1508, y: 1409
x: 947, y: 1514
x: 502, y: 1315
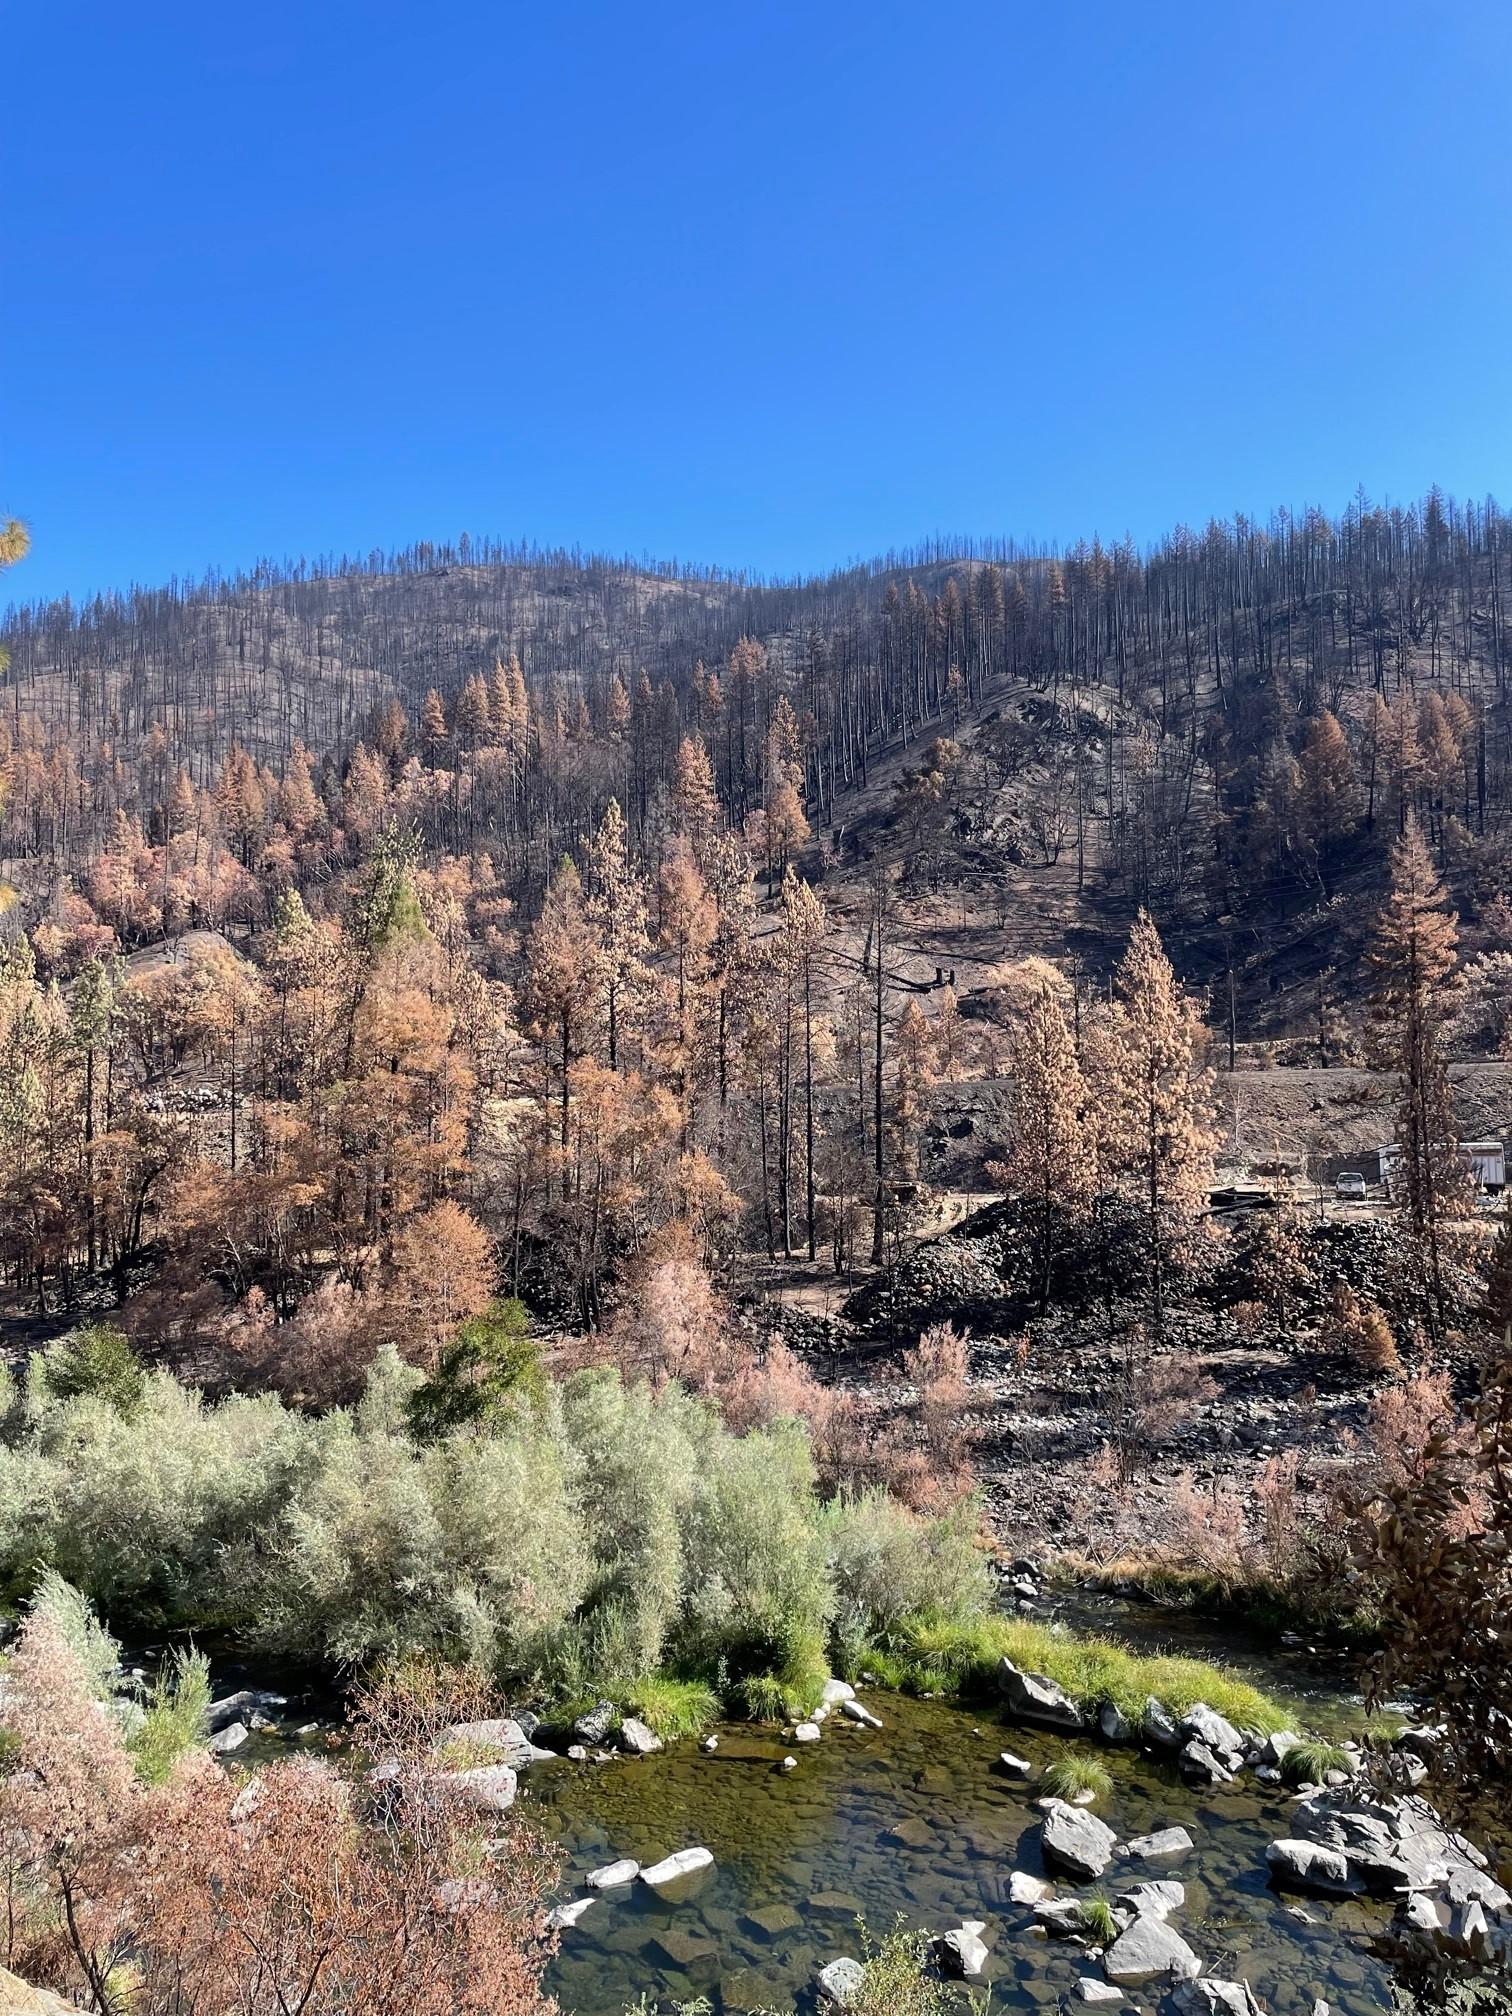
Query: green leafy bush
x: 174, y: 1722
x: 488, y: 1372
x: 95, y: 1359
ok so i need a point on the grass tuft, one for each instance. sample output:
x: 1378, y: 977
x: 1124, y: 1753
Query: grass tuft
x: 1069, y: 1777
x: 1098, y: 1921
x: 1309, y: 1762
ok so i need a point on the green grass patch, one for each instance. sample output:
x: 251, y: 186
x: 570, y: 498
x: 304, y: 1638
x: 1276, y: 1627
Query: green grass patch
x: 964, y: 1659
x: 672, y: 1708
x: 1333, y: 1611
x: 1072, y: 1776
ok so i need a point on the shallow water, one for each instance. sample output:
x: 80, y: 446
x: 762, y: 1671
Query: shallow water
x: 910, y: 1819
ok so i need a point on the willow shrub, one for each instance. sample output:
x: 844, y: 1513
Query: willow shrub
x: 586, y: 1542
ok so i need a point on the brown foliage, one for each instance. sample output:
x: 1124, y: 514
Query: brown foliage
x: 298, y: 1892
x: 1357, y: 1328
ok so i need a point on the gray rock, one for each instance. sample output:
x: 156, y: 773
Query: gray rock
x: 229, y: 1738
x: 504, y: 1734
x: 963, y: 1952
x: 242, y: 1706
x: 1155, y: 1900
x: 1031, y: 1697
x: 1200, y: 1766
x: 1026, y: 1889
x: 709, y: 1745
x: 613, y: 1874
x: 1076, y: 1841
x: 1310, y: 1865
x: 638, y: 1739
x: 1274, y: 1748
x: 1115, y: 1725
x: 686, y: 1862
x: 1212, y: 1996
x: 594, y: 1726
x: 566, y: 1915
x: 1015, y: 1767
x: 788, y: 1764
x: 490, y: 1788
x: 835, y: 1693
x: 1209, y: 1727
x: 855, y: 1711
x: 1090, y: 1989
x: 1062, y: 1917
x: 1148, y: 1948
x: 840, y: 1981
x: 807, y: 1732
x: 1159, y: 1725
x: 1164, y: 1845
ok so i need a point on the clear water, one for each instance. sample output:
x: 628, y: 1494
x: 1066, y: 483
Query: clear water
x: 914, y: 1820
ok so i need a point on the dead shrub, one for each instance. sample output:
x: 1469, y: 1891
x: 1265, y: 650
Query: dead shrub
x: 1354, y: 1327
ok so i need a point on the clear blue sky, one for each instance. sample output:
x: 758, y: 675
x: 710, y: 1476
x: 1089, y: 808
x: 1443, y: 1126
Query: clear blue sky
x: 767, y: 284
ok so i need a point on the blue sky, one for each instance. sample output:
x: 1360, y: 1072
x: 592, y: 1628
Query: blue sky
x: 768, y: 285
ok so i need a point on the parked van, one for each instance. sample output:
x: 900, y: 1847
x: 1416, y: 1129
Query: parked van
x: 1350, y: 1187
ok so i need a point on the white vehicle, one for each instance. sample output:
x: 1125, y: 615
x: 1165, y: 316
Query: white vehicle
x: 1350, y: 1187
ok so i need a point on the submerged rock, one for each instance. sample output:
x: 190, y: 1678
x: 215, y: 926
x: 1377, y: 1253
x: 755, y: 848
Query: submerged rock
x: 1164, y: 1845
x: 686, y: 1862
x: 1026, y: 1889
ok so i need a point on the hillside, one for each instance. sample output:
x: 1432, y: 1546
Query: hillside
x: 1226, y: 729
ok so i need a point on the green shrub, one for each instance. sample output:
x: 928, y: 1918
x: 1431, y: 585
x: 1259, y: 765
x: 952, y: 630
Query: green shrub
x: 764, y: 1697
x: 175, y: 1719
x: 1072, y: 1776
x: 889, y: 1565
x: 897, y: 1979
x: 71, y: 1616
x: 95, y: 1360
x: 490, y: 1370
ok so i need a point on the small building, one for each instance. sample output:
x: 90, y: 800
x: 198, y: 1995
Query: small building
x: 1487, y: 1162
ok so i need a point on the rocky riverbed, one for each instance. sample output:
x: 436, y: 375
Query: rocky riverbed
x: 927, y: 1817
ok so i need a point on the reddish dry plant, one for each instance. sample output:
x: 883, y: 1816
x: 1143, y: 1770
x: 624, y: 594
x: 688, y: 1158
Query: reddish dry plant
x: 295, y: 1893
